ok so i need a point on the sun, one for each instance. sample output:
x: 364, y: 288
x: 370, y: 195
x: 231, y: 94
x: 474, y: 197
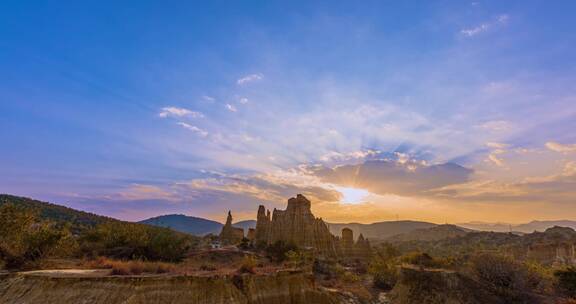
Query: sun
x: 352, y: 195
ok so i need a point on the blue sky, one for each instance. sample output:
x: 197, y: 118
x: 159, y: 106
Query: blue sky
x: 135, y: 109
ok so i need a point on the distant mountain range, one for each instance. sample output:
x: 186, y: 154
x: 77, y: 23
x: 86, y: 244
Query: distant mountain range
x: 523, y: 228
x: 199, y: 226
x: 375, y: 231
x: 379, y: 230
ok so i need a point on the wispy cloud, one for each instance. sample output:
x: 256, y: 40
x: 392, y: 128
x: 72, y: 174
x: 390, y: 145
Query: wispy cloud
x: 231, y: 108
x: 194, y: 129
x: 564, y: 148
x: 249, y: 78
x: 484, y: 27
x: 208, y: 98
x: 243, y: 100
x: 495, y: 125
x: 179, y: 112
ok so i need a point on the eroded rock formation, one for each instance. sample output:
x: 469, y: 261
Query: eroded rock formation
x: 296, y: 225
x: 360, y: 250
x: 347, y: 242
x: 230, y: 234
x: 555, y: 246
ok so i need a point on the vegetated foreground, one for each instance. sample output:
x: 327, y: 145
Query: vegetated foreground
x: 53, y: 254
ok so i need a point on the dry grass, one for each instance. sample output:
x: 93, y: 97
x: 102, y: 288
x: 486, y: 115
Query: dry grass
x: 248, y: 265
x: 130, y: 267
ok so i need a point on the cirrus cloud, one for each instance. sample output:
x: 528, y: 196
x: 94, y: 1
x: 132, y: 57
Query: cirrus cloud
x: 249, y: 78
x: 179, y: 112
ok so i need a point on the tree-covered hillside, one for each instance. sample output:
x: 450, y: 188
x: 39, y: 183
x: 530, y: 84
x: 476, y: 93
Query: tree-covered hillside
x: 78, y: 220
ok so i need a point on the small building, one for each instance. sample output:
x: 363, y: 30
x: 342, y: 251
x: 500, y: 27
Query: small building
x: 215, y: 245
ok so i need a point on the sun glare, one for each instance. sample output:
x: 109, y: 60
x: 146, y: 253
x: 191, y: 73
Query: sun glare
x: 353, y: 195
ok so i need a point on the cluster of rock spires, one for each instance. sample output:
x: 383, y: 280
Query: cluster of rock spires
x: 298, y: 226
x: 295, y: 225
x: 359, y: 250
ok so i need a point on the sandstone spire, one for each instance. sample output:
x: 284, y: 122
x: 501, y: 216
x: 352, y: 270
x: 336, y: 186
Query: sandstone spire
x: 230, y: 234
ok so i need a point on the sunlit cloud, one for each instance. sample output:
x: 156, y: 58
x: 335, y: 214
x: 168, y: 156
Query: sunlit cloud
x: 405, y: 177
x: 564, y: 148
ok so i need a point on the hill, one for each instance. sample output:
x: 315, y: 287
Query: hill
x: 193, y: 225
x: 435, y: 233
x: 79, y: 220
x: 183, y: 223
x: 530, y: 227
x: 200, y: 226
x: 379, y: 230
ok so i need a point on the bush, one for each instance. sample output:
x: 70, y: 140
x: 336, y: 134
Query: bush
x: 420, y: 259
x: 567, y: 281
x: 245, y: 244
x: 384, y: 273
x: 387, y: 251
x: 120, y: 269
x: 130, y: 267
x: 121, y: 240
x: 299, y: 258
x: 349, y: 277
x: 277, y: 252
x: 248, y: 264
x: 25, y: 240
x: 510, y: 280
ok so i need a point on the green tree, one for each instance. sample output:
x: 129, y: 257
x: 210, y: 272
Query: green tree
x: 24, y: 240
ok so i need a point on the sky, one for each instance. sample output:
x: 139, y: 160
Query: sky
x: 443, y: 111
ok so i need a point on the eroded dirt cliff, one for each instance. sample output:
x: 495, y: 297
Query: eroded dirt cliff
x: 283, y: 287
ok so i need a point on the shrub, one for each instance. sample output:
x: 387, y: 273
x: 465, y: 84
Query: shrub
x: 248, y: 264
x: 567, y: 281
x: 245, y: 244
x: 384, y: 273
x: 277, y: 252
x: 121, y: 240
x: 387, y: 251
x: 349, y: 277
x: 323, y: 267
x: 420, y: 259
x: 510, y: 280
x: 25, y: 240
x: 299, y: 258
x: 120, y: 269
